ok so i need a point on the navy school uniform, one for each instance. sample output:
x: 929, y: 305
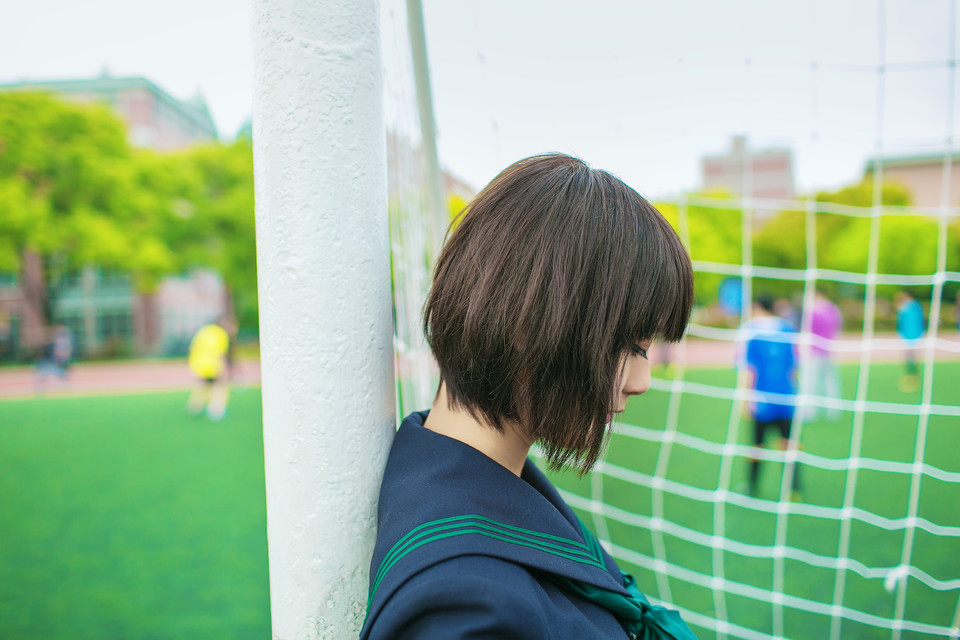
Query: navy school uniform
x: 466, y: 549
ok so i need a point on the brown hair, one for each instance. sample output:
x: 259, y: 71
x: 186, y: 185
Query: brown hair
x: 554, y: 271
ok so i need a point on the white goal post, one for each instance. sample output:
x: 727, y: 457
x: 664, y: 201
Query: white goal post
x: 325, y: 312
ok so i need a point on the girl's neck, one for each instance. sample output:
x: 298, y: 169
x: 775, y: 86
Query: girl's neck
x: 509, y: 448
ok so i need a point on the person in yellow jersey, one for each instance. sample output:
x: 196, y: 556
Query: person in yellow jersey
x: 210, y: 360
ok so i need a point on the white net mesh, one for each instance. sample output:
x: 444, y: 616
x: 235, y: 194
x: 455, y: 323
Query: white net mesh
x: 872, y: 548
x: 410, y: 235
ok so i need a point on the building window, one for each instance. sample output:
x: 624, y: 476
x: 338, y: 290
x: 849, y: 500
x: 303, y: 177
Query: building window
x: 113, y: 279
x: 9, y: 338
x: 8, y: 279
x: 71, y: 280
x: 115, y: 325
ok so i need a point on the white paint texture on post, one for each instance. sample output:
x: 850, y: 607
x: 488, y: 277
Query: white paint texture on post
x: 325, y: 311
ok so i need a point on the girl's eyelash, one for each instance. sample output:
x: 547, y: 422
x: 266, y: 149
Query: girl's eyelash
x: 640, y: 351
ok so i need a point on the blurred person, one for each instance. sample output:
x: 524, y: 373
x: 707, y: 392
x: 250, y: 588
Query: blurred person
x: 768, y: 366
x: 819, y: 375
x: 785, y: 309
x: 958, y: 311
x: 663, y: 358
x: 910, y: 328
x: 55, y: 359
x: 211, y: 361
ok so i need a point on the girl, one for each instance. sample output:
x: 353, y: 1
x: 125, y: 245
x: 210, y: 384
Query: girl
x: 545, y: 300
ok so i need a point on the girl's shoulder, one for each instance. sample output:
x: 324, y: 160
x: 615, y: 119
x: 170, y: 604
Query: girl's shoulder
x: 478, y: 596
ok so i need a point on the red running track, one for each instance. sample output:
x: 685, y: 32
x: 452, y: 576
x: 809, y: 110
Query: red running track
x: 162, y: 375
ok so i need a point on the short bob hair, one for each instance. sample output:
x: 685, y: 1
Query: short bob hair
x: 553, y: 273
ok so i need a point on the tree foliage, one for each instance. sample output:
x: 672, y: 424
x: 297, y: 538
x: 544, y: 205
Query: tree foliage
x: 712, y: 234
x: 74, y: 192
x: 63, y: 175
x: 216, y: 226
x: 907, y: 242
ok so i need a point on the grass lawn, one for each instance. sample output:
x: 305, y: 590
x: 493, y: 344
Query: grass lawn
x: 124, y: 518
x: 884, y: 437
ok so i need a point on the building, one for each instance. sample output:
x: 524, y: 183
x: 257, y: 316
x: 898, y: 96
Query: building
x: 154, y: 118
x: 101, y: 309
x: 922, y: 176
x: 765, y: 174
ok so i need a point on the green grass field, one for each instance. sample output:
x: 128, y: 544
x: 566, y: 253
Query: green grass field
x: 885, y: 437
x: 124, y: 518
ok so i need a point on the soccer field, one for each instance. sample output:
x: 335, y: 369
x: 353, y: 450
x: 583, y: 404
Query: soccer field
x: 749, y: 530
x: 125, y: 518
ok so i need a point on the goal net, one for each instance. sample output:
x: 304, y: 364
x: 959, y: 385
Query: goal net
x: 869, y: 546
x: 413, y: 240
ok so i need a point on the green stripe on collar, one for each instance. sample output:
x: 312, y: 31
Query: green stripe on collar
x: 588, y: 554
x: 640, y: 619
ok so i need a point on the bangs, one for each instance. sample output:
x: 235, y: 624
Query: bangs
x: 653, y: 297
x: 661, y: 296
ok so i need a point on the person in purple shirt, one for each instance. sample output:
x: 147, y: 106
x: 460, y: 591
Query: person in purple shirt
x: 819, y: 371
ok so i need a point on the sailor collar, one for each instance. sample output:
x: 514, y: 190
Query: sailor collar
x: 442, y: 499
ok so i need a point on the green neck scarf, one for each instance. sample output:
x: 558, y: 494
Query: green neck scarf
x: 642, y: 620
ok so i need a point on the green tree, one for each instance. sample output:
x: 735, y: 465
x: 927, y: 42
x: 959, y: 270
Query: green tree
x: 216, y: 224
x: 64, y: 183
x: 712, y: 234
x: 842, y: 238
x: 74, y: 194
x: 907, y: 242
x: 843, y: 241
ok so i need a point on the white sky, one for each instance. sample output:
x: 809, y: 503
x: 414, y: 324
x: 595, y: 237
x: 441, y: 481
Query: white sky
x: 641, y: 88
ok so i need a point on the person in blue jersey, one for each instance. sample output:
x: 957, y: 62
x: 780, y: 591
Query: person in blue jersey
x: 910, y: 327
x: 545, y: 299
x: 769, y: 362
